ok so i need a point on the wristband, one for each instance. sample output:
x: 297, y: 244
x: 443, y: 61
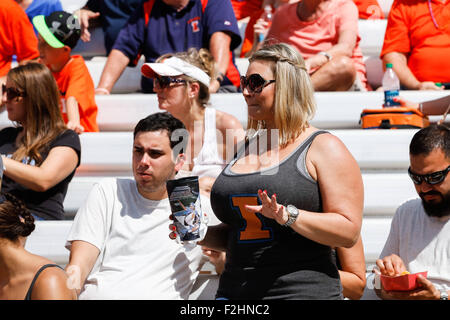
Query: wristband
x: 220, y: 77
x: 104, y: 90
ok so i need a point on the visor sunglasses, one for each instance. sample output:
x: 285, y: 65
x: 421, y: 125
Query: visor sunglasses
x: 12, y: 93
x: 254, y: 83
x: 164, y: 82
x: 431, y: 178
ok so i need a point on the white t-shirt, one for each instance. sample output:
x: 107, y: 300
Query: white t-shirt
x: 422, y: 242
x: 137, y: 258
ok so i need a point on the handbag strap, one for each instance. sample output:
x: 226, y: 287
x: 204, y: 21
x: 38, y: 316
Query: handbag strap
x: 444, y: 116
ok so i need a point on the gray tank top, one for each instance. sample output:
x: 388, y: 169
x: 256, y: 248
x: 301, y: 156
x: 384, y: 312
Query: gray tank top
x: 266, y: 260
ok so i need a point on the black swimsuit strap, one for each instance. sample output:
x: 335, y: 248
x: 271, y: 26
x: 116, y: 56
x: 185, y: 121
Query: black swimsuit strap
x: 28, y: 296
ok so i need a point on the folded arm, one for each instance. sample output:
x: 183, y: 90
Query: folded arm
x: 59, y: 164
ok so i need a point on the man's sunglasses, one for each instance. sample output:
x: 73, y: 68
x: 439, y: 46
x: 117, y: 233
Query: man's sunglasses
x: 254, y: 83
x: 164, y: 82
x: 431, y: 178
x: 12, y: 93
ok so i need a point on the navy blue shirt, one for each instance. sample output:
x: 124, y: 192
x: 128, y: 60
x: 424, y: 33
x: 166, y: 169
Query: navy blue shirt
x: 169, y: 31
x: 114, y: 14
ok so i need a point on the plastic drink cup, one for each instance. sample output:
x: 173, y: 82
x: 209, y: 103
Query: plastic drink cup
x: 184, y: 198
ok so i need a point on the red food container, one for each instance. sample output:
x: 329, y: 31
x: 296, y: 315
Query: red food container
x: 405, y: 282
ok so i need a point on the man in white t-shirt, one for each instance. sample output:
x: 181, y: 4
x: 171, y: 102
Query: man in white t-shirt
x: 419, y: 239
x: 119, y: 244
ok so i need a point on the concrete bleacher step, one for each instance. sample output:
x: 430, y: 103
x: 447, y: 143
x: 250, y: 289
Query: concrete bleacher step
x: 372, y: 36
x: 383, y: 192
x: 335, y: 110
x: 72, y: 5
x: 381, y: 154
x: 49, y: 238
x: 110, y: 152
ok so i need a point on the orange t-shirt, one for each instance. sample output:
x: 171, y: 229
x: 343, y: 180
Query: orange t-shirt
x: 411, y: 30
x: 319, y: 35
x: 245, y: 8
x: 75, y: 81
x: 369, y: 9
x: 16, y: 36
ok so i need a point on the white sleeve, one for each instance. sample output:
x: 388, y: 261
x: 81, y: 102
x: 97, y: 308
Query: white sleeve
x: 392, y: 245
x: 91, y: 221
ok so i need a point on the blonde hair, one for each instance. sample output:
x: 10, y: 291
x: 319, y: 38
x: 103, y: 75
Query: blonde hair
x: 294, y: 104
x: 203, y: 60
x: 44, y: 121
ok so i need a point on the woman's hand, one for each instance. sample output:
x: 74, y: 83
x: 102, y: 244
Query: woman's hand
x: 77, y: 127
x: 406, y: 103
x: 217, y: 258
x: 269, y: 208
x: 261, y: 27
x: 429, y: 85
x: 84, y: 16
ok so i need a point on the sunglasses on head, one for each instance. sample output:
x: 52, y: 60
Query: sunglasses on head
x: 431, y: 178
x: 12, y: 93
x: 254, y: 83
x: 164, y: 82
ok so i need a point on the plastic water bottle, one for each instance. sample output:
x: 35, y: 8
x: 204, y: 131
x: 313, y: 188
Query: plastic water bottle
x: 267, y: 16
x: 391, y: 86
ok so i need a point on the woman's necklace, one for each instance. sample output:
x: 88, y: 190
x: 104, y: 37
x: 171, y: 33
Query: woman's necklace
x: 432, y: 15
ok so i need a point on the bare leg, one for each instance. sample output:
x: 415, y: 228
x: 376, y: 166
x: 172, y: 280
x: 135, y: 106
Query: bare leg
x: 338, y: 74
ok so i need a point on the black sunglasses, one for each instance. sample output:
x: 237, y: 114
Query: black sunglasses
x: 254, y: 83
x: 431, y: 178
x: 164, y: 82
x: 12, y: 93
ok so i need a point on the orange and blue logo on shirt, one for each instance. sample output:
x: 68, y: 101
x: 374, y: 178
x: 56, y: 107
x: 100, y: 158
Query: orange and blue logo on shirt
x: 254, y: 228
x: 194, y: 22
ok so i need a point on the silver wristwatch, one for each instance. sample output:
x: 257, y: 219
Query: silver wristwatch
x: 444, y: 294
x: 292, y: 213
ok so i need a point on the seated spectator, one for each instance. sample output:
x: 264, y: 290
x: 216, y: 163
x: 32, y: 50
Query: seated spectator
x: 118, y: 243
x: 419, y: 239
x: 417, y: 43
x: 39, y: 7
x: 181, y: 83
x: 152, y: 31
x: 24, y: 275
x: 16, y: 37
x: 326, y: 34
x: 369, y: 9
x: 113, y: 15
x: 254, y: 10
x: 210, y: 146
x: 58, y: 35
x: 40, y: 155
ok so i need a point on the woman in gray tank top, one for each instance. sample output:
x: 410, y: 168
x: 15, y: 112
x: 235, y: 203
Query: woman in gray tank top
x: 290, y: 195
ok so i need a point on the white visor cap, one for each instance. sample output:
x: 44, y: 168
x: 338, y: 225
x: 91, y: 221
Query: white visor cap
x: 172, y: 67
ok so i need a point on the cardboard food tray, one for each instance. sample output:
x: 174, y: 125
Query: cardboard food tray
x: 405, y: 282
